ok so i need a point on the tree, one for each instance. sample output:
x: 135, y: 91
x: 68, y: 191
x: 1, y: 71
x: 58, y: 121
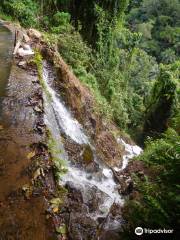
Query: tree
x: 162, y: 100
x: 158, y: 21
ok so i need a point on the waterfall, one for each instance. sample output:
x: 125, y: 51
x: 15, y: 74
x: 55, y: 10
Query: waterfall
x: 64, y: 119
x: 60, y: 120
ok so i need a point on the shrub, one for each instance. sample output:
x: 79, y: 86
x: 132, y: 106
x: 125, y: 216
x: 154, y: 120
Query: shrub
x: 61, y: 23
x: 23, y: 10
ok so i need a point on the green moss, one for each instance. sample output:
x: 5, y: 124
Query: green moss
x: 88, y: 154
x: 60, y: 164
x: 38, y: 60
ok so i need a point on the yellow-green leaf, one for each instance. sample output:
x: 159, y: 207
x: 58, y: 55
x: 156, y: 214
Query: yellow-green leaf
x: 31, y: 155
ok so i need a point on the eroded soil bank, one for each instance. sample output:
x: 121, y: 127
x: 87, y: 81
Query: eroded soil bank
x: 26, y: 180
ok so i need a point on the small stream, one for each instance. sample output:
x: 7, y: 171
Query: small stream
x: 98, y: 183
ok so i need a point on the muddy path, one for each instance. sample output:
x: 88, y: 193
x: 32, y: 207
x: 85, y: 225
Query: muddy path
x: 23, y: 189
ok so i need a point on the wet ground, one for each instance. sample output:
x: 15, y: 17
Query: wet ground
x: 6, y: 43
x: 22, y: 209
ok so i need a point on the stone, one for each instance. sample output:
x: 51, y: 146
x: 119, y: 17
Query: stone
x: 76, y: 193
x: 22, y: 64
x: 88, y: 155
x: 26, y: 46
x: 26, y: 39
x: 81, y: 226
x: 33, y: 33
x: 37, y: 109
x: 126, y: 187
x: 93, y: 167
x: 22, y: 52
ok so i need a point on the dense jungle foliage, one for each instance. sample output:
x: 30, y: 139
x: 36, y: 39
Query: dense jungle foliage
x: 127, y: 53
x: 157, y: 202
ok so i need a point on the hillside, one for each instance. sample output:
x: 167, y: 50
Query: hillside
x: 90, y: 80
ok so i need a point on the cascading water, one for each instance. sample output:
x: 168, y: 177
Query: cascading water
x: 131, y: 151
x: 59, y: 120
x: 65, y: 121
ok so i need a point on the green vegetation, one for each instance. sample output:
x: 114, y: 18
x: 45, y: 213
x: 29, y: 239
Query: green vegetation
x: 60, y: 164
x: 157, y: 202
x: 37, y: 60
x: 128, y: 55
x: 163, y: 100
x: 25, y: 11
x: 158, y: 21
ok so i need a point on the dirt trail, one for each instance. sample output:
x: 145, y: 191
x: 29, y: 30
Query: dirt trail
x: 22, y: 207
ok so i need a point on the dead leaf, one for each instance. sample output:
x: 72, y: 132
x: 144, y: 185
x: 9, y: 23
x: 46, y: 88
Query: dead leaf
x: 27, y: 189
x: 55, y: 209
x: 42, y: 172
x: 31, y: 155
x: 62, y: 229
x: 38, y: 109
x: 37, y: 173
x: 55, y: 203
x: 1, y: 127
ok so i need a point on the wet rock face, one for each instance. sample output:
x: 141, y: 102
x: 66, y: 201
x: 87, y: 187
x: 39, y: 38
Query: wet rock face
x: 105, y: 142
x: 126, y: 186
x: 73, y: 193
x: 110, y: 235
x: 80, y: 207
x: 82, y: 227
x: 90, y: 184
x: 80, y: 155
x: 87, y: 155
